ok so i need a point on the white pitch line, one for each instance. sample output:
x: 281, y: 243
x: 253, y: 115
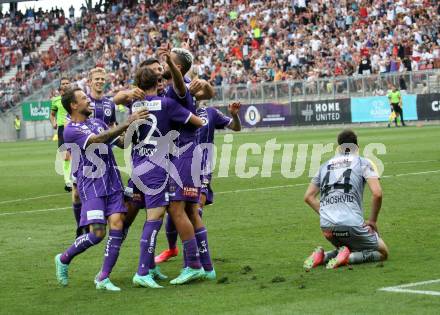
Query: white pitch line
x: 231, y: 191
x: 35, y: 211
x: 403, y: 288
x: 31, y: 198
x: 410, y: 162
x: 260, y: 188
x: 412, y: 291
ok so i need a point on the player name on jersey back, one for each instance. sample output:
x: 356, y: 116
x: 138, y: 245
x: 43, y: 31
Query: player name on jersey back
x: 154, y: 105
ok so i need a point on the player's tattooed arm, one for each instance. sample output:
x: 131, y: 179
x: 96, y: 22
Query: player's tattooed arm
x: 234, y: 109
x: 125, y: 97
x: 178, y: 82
x: 201, y: 89
x: 112, y: 133
x: 376, y: 201
x: 310, y: 197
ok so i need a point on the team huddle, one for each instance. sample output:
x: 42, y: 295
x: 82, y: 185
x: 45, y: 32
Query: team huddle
x: 171, y: 138
x: 165, y: 130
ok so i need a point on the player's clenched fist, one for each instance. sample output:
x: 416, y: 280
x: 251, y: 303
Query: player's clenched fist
x: 234, y: 108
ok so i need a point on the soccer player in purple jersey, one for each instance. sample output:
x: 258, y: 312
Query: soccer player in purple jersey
x: 103, y: 109
x: 99, y: 184
x: 199, y: 89
x: 151, y: 146
x: 213, y: 119
x: 184, y: 196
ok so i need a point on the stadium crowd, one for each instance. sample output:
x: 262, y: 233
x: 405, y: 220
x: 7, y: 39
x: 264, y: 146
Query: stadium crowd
x: 244, y: 42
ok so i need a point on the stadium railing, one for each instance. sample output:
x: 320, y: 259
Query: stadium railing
x: 289, y: 93
x: 280, y: 92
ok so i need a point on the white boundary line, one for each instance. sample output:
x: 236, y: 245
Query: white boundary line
x: 34, y: 211
x: 229, y: 192
x: 403, y: 288
x: 32, y: 198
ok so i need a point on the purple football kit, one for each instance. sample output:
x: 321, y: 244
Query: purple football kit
x: 103, y: 109
x: 152, y: 143
x: 98, y: 179
x: 212, y: 119
x: 186, y: 144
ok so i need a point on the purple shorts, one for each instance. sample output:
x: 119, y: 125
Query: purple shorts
x: 134, y: 195
x: 207, y: 191
x: 97, y: 210
x: 188, y: 192
x: 154, y: 188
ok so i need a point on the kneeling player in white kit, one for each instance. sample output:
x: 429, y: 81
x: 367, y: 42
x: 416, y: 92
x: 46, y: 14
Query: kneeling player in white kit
x: 340, y: 182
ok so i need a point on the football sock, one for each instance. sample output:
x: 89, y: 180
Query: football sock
x: 80, y: 245
x: 171, y: 232
x: 147, y: 246
x: 111, y: 253
x: 66, y: 172
x: 329, y: 255
x: 202, y: 244
x: 185, y: 260
x: 77, y: 212
x: 364, y: 256
x: 192, y: 254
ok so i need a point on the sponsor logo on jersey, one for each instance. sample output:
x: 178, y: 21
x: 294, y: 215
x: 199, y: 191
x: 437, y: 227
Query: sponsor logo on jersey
x: 191, y: 192
x: 340, y: 234
x: 154, y: 105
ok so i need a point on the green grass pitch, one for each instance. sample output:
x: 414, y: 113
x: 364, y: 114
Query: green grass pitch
x: 259, y: 238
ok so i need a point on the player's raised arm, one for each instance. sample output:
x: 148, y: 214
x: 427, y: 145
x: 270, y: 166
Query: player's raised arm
x: 310, y: 197
x: 234, y: 109
x: 178, y: 82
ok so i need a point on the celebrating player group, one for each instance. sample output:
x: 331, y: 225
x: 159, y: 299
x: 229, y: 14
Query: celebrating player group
x: 171, y: 150
x: 171, y: 139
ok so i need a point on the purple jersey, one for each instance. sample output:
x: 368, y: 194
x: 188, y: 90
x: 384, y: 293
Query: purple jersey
x: 212, y: 119
x: 103, y: 109
x: 187, y: 133
x: 150, y: 141
x: 97, y: 174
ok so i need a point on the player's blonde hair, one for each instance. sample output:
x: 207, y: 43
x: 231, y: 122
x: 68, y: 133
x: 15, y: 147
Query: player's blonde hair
x: 95, y: 71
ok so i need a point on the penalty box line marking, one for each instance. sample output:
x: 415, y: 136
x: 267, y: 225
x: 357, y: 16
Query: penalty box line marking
x: 227, y: 192
x: 404, y: 288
